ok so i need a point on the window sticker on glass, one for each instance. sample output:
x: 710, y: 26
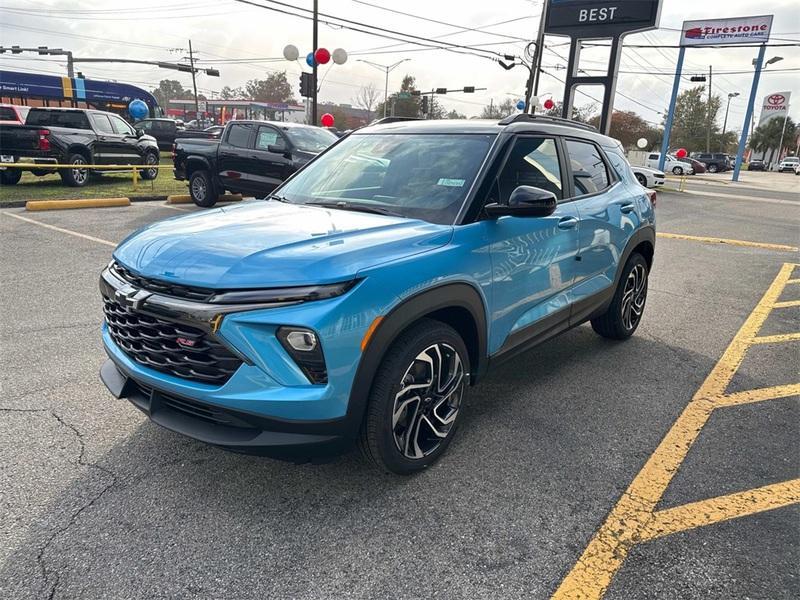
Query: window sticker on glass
x: 451, y: 182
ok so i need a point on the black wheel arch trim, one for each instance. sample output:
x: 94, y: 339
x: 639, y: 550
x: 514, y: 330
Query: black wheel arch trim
x: 459, y: 295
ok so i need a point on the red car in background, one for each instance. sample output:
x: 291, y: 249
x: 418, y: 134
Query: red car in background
x: 11, y: 114
x: 696, y: 165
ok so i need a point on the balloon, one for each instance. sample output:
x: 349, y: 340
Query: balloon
x: 310, y: 59
x: 534, y: 100
x: 327, y: 120
x: 681, y: 153
x: 641, y: 143
x: 322, y: 56
x: 138, y: 109
x: 521, y: 105
x: 548, y: 104
x: 339, y: 56
x: 291, y: 52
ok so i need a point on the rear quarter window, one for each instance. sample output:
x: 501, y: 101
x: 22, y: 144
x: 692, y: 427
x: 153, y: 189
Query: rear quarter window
x: 7, y: 114
x: 58, y: 118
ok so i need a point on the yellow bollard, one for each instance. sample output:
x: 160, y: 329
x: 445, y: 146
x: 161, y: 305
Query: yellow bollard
x: 135, y: 179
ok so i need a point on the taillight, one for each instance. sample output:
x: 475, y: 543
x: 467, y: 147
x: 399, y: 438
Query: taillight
x: 44, y: 141
x: 653, y: 197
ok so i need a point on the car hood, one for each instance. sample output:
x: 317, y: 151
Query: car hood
x: 270, y: 244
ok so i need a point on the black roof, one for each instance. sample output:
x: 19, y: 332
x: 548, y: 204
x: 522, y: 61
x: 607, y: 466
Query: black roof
x: 521, y: 123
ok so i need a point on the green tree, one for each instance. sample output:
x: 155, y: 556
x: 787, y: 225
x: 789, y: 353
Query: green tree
x: 229, y: 93
x: 454, y: 114
x: 275, y: 88
x: 169, y: 89
x: 691, y: 121
x: 582, y: 114
x: 767, y: 137
x: 627, y: 127
x: 402, y: 103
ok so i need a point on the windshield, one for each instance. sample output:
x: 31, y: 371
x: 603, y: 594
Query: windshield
x: 310, y: 139
x: 419, y: 176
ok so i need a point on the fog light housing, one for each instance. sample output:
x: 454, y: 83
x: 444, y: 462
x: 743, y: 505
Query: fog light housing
x: 304, y: 346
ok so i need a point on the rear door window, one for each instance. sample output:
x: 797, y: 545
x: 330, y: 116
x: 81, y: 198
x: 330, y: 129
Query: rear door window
x: 239, y: 136
x: 589, y: 171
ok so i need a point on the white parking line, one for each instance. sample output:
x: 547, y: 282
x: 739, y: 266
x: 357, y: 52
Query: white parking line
x: 61, y: 230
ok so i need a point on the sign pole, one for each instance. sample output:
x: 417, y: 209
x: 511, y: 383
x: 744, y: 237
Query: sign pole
x: 749, y: 113
x: 671, y: 113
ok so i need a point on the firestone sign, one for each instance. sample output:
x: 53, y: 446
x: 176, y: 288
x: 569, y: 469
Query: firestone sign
x: 739, y: 30
x: 774, y: 105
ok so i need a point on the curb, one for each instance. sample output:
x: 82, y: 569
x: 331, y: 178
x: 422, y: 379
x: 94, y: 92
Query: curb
x: 36, y: 205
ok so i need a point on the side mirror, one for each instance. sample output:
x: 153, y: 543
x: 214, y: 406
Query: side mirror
x: 525, y: 201
x: 279, y: 149
x: 139, y: 132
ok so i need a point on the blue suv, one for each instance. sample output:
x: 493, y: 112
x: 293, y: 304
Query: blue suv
x: 360, y: 301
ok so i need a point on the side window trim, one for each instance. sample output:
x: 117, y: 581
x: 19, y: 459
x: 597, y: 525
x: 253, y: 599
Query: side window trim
x: 613, y: 178
x: 279, y: 139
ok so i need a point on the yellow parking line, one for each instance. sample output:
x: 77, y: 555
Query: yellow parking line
x: 758, y: 395
x: 722, y: 508
x: 714, y: 240
x: 627, y: 523
x: 786, y: 304
x: 774, y: 339
x: 61, y: 229
x: 793, y: 281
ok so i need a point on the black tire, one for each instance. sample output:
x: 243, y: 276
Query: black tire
x: 10, y: 177
x: 641, y: 179
x: 202, y: 189
x: 712, y: 168
x: 623, y: 317
x: 677, y: 170
x: 382, y: 435
x: 75, y: 177
x: 151, y: 158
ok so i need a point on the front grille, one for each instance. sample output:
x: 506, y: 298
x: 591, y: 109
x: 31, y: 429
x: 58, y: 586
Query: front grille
x: 198, y: 410
x: 154, y: 343
x: 187, y: 292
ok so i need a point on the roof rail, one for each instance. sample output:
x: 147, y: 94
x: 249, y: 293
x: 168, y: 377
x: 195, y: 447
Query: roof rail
x: 525, y: 117
x: 386, y: 120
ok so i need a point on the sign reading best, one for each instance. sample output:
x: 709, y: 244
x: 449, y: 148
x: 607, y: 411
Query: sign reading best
x: 739, y: 30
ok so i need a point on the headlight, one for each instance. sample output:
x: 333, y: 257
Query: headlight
x: 283, y: 295
x: 304, y: 347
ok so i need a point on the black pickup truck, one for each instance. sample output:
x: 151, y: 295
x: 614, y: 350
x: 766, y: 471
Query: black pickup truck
x: 251, y: 157
x: 76, y: 137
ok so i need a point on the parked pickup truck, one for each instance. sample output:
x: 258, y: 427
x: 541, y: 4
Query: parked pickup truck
x: 76, y: 137
x: 251, y: 157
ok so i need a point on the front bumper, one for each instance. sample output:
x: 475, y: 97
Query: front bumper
x: 234, y: 430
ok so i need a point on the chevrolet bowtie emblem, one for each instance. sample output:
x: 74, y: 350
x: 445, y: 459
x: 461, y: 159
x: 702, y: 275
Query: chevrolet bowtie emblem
x: 131, y: 298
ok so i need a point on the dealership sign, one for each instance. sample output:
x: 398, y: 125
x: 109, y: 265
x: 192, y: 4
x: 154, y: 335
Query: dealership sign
x: 774, y: 105
x: 586, y: 19
x: 739, y: 30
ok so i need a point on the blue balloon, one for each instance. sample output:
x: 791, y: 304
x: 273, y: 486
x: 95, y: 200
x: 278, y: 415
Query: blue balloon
x: 138, y: 109
x: 310, y: 59
x: 521, y: 105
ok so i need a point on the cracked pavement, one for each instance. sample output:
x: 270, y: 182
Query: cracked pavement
x: 97, y: 502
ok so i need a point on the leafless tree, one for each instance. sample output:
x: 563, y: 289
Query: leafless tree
x: 367, y: 98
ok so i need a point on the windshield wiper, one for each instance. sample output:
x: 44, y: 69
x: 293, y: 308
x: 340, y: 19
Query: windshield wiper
x: 358, y: 207
x: 278, y: 198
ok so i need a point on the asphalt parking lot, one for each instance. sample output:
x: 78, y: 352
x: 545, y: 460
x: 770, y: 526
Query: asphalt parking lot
x: 662, y: 467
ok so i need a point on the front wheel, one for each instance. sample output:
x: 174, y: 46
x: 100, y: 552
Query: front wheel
x: 677, y: 170
x: 712, y: 168
x: 641, y: 179
x: 202, y: 189
x: 416, y: 399
x: 627, y: 307
x: 150, y: 160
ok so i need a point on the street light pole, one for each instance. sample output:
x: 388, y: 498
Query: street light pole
x: 725, y: 122
x: 708, y: 113
x: 194, y: 85
x: 386, y: 69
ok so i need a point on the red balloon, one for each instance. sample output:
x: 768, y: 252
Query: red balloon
x: 548, y: 104
x: 327, y: 120
x: 322, y: 56
x: 681, y: 153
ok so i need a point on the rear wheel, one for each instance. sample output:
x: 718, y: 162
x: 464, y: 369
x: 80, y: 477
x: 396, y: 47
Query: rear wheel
x: 75, y: 177
x: 150, y: 159
x: 416, y: 399
x: 10, y: 177
x: 712, y: 168
x: 202, y: 189
x: 677, y: 170
x: 627, y: 307
x: 641, y: 179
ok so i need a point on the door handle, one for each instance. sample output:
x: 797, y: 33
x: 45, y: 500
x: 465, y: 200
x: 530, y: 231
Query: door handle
x: 567, y: 222
x: 626, y: 208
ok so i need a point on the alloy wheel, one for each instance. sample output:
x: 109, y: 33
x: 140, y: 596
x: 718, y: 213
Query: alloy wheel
x: 151, y: 159
x: 634, y: 296
x: 79, y: 175
x: 199, y: 189
x: 428, y: 402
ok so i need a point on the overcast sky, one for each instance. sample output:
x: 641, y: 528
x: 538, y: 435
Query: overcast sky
x: 246, y: 42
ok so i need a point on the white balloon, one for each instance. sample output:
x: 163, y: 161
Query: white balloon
x: 291, y: 52
x: 641, y: 143
x: 535, y: 101
x: 339, y: 56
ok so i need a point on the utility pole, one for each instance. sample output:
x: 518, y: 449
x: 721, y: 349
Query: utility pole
x: 194, y: 85
x: 537, y: 62
x: 386, y: 69
x: 314, y: 43
x: 708, y: 113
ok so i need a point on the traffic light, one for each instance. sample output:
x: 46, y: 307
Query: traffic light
x: 441, y: 90
x: 306, y: 85
x: 424, y: 105
x: 469, y: 89
x: 697, y: 78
